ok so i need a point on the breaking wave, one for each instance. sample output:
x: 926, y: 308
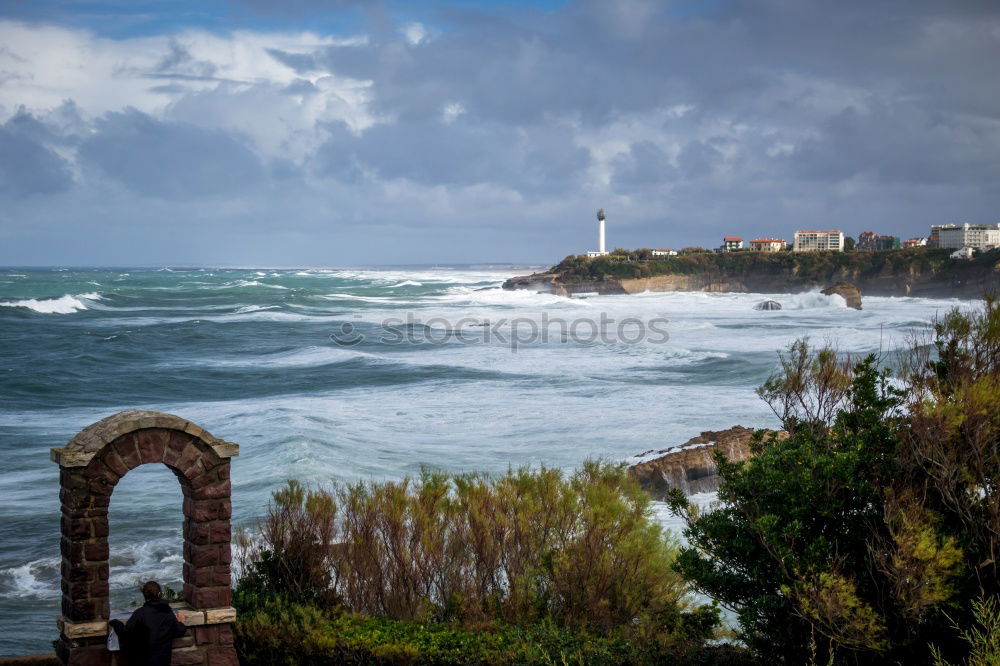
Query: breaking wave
x: 67, y: 304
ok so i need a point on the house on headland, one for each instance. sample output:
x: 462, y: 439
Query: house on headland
x: 731, y: 243
x: 768, y: 245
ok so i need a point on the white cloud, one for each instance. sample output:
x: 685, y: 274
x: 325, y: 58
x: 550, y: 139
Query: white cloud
x: 451, y: 111
x: 415, y: 33
x: 230, y: 82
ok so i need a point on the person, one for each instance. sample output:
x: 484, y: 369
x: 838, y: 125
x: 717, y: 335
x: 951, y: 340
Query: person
x: 148, y: 635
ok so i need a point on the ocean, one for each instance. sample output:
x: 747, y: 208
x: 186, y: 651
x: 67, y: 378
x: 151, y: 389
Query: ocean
x: 346, y: 374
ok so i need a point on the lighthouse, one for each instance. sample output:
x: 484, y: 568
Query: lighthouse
x: 600, y: 236
x: 600, y: 233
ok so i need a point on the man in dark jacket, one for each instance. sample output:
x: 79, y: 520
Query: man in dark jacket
x: 149, y: 633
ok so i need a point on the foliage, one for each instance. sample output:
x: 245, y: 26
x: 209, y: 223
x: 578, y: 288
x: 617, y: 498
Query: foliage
x: 293, y: 551
x: 877, y: 519
x: 953, y: 442
x: 983, y: 640
x: 274, y: 630
x: 795, y: 267
x: 579, y: 552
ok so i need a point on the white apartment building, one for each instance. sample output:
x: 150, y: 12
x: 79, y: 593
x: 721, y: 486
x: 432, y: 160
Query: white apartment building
x: 664, y: 252
x: 978, y: 236
x: 815, y: 241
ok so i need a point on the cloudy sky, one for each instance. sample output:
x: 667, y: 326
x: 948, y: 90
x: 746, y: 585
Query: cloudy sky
x: 349, y: 132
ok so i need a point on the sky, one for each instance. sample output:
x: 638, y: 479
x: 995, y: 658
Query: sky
x: 361, y: 132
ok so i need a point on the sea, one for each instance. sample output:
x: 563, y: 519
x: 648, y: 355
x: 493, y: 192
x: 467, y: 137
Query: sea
x: 341, y: 374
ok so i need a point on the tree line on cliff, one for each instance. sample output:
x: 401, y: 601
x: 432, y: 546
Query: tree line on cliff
x: 797, y: 267
x: 870, y: 535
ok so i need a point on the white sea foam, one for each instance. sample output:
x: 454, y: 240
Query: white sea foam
x: 249, y: 283
x: 407, y: 283
x: 363, y: 299
x: 158, y: 559
x: 254, y: 308
x: 309, y: 356
x: 814, y: 299
x: 34, y: 580
x: 67, y: 304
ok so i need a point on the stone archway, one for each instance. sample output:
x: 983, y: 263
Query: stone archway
x: 90, y: 466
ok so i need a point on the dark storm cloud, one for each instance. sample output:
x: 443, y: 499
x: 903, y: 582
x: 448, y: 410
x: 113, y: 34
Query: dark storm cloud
x: 170, y: 160
x: 597, y: 59
x: 463, y: 152
x: 900, y: 144
x: 27, y: 165
x: 645, y: 164
x: 687, y: 119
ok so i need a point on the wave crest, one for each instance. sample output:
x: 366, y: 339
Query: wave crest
x: 67, y: 304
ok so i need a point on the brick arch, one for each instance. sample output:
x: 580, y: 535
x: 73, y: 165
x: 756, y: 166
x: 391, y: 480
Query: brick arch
x: 91, y: 465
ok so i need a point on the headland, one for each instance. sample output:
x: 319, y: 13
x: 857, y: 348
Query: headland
x: 924, y: 272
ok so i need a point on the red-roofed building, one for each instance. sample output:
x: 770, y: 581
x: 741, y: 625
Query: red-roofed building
x: 768, y: 245
x: 730, y: 243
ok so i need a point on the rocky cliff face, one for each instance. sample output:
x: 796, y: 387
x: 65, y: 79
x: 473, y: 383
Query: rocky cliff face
x: 965, y: 281
x: 690, y: 466
x: 550, y: 283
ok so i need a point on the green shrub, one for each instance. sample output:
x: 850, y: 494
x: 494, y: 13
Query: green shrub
x: 276, y: 631
x: 983, y: 639
x: 877, y: 521
x: 529, y: 548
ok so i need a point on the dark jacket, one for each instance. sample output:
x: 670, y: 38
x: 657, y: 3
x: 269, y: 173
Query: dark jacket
x: 147, y: 637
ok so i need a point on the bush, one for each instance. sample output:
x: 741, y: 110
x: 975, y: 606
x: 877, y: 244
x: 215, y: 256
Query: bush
x: 984, y: 640
x: 877, y: 520
x: 277, y: 631
x: 578, y: 553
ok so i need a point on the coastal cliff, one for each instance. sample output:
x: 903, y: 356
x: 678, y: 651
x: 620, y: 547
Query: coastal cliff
x: 912, y: 272
x: 690, y: 466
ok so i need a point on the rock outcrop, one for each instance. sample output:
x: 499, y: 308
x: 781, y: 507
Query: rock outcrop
x: 690, y: 466
x: 768, y: 305
x: 848, y: 291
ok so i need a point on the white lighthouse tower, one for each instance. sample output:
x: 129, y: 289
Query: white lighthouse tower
x: 600, y: 236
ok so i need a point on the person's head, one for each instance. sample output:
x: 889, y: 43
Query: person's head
x: 151, y: 590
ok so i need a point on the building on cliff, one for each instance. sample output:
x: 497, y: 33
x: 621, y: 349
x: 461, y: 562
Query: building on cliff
x: 869, y: 240
x: 665, y: 252
x: 914, y: 242
x: 962, y: 253
x: 768, y: 245
x: 934, y: 239
x: 976, y: 236
x: 815, y: 241
x: 731, y: 243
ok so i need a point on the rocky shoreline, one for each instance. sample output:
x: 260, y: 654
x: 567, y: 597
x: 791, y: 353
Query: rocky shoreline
x: 690, y: 467
x: 957, y: 280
